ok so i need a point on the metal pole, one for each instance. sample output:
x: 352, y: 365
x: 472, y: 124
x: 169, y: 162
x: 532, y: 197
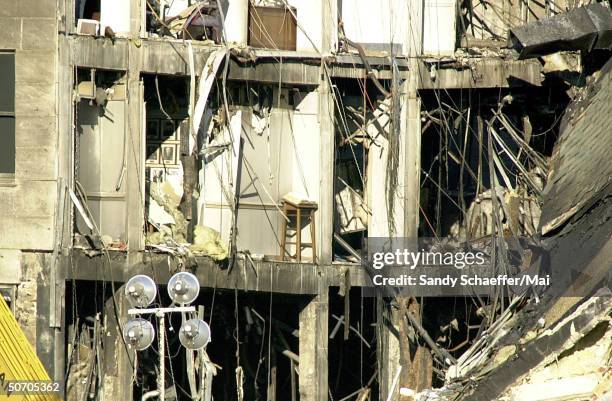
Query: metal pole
x: 162, y: 357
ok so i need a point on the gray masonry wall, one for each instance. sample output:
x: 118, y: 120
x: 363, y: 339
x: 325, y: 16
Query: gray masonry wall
x: 29, y: 27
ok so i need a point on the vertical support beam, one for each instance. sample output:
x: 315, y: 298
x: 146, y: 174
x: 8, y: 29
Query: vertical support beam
x: 45, y: 348
x: 411, y: 122
x: 329, y: 26
x: 65, y: 133
x: 117, y: 367
x: 410, y: 138
x: 413, y: 41
x: 135, y: 152
x: 325, y: 214
x: 64, y: 218
x: 313, y: 381
x: 325, y: 219
x: 236, y: 24
x: 410, y: 161
x: 388, y: 347
x: 137, y: 18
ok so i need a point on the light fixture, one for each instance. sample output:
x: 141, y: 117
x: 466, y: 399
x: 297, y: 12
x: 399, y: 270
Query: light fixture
x: 138, y: 333
x: 183, y: 288
x: 140, y: 291
x: 194, y: 334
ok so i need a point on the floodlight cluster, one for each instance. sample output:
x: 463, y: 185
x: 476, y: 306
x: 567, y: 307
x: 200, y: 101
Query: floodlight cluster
x: 183, y: 289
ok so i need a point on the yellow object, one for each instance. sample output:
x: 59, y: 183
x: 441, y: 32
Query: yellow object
x: 18, y: 360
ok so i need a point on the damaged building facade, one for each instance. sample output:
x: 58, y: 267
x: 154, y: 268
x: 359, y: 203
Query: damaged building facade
x: 259, y: 144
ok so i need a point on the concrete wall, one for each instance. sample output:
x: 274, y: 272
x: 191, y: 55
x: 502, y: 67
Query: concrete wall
x: 29, y: 275
x: 29, y: 27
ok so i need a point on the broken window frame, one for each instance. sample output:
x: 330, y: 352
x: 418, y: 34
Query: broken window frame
x: 7, y: 113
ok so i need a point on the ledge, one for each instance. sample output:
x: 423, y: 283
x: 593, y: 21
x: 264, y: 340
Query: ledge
x: 265, y: 276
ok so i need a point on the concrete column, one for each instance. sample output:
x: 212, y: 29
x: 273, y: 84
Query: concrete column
x: 137, y: 18
x: 326, y: 172
x: 388, y: 348
x: 45, y: 337
x: 411, y: 121
x: 313, y: 381
x: 394, y: 354
x: 134, y: 174
x: 413, y: 42
x: 410, y: 138
x: 237, y: 22
x: 117, y: 366
x: 66, y: 135
x: 329, y: 26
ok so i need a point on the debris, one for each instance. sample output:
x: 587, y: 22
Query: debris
x: 351, y: 209
x: 585, y: 28
x: 201, y: 21
x: 208, y: 241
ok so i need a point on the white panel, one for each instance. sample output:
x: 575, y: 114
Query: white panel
x: 376, y: 23
x: 101, y: 142
x: 306, y: 153
x: 116, y: 14
x: 237, y: 21
x: 439, y: 33
x: 306, y: 177
x: 309, y: 17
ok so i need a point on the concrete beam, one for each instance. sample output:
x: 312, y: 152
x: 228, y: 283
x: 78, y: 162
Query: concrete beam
x: 102, y: 53
x: 482, y: 73
x: 289, y: 72
x: 170, y: 57
x: 280, y: 277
